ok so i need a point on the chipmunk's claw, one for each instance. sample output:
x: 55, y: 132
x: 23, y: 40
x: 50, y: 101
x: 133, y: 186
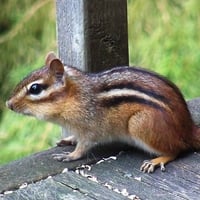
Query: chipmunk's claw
x: 162, y: 166
x: 149, y: 166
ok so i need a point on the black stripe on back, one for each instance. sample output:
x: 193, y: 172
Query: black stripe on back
x: 147, y: 72
x: 135, y: 87
x: 115, y: 101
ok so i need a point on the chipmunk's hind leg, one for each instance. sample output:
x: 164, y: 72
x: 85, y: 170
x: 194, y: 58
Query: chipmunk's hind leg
x: 150, y: 165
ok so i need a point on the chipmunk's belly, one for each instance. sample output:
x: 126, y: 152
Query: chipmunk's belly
x: 140, y: 144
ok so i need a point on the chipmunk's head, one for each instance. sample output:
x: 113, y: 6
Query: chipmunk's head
x: 37, y: 92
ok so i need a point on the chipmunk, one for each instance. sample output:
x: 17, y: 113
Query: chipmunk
x: 128, y: 104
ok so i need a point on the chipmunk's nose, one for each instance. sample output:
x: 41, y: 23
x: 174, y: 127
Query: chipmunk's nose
x: 9, y: 105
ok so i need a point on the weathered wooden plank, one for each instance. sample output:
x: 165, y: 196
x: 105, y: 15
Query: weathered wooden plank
x: 122, y: 175
x: 194, y: 107
x: 92, y: 35
x: 43, y: 190
x: 41, y: 165
x: 178, y: 182
x: 88, y: 187
x: 68, y: 185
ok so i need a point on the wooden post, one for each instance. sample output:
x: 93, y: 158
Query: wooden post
x: 92, y: 34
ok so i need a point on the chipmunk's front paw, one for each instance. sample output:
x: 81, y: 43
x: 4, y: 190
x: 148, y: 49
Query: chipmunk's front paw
x: 67, y: 156
x: 80, y: 150
x: 63, y: 157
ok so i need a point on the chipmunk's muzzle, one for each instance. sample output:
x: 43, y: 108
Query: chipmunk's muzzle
x: 17, y: 107
x: 9, y: 105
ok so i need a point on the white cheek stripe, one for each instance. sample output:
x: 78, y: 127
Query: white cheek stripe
x: 129, y: 92
x: 38, y: 96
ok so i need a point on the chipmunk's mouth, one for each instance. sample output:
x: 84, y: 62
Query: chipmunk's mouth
x: 26, y: 112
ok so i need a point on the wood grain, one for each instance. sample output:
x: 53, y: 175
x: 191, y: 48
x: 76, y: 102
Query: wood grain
x: 92, y: 35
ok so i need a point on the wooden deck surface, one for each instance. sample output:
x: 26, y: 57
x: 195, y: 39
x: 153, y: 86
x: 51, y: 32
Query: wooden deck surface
x: 108, y: 172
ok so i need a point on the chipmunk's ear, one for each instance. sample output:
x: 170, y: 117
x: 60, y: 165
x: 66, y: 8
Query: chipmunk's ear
x: 56, y: 68
x: 49, y: 57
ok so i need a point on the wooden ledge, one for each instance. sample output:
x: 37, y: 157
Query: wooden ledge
x: 194, y: 107
x: 41, y: 165
x: 113, y: 178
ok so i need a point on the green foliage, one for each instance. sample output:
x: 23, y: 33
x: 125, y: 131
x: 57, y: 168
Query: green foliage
x: 163, y: 36
x: 27, y: 33
x: 20, y: 136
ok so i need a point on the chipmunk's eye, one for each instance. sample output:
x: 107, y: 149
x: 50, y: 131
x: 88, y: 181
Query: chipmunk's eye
x: 36, y: 89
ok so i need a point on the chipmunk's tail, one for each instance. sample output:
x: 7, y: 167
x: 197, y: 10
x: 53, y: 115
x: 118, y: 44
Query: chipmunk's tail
x: 196, y: 138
